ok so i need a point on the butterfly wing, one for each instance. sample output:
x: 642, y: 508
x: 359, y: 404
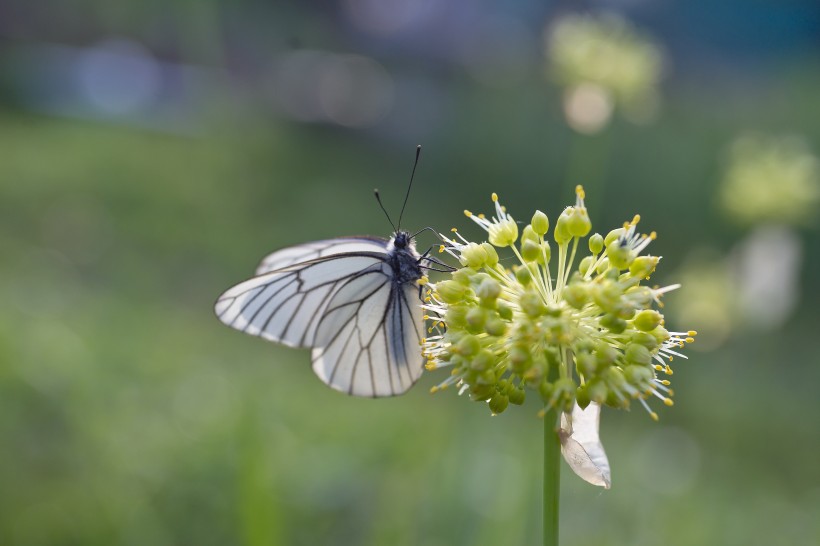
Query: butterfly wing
x: 286, y: 305
x: 367, y: 343
x: 319, y: 249
x: 344, y: 302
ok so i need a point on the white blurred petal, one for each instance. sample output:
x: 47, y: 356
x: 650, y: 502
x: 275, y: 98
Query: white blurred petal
x: 581, y: 446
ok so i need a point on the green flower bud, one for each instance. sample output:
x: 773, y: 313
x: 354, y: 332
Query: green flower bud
x: 576, y: 294
x: 582, y: 397
x: 613, y: 324
x: 520, y: 357
x: 585, y: 264
x: 456, y: 317
x: 646, y: 339
x: 481, y: 393
x: 530, y: 250
x: 505, y: 311
x: 492, y: 255
x: 463, y: 275
x: 605, y: 354
x: 561, y: 232
x: 597, y: 391
x: 476, y: 318
x: 495, y: 327
x: 472, y: 255
x: 619, y: 256
x: 647, y: 320
x: 468, y: 346
x: 637, y: 354
x: 540, y: 223
x: 522, y: 274
x: 596, y: 243
x: 517, y: 396
x: 484, y: 360
x: 489, y: 289
x: 451, y: 291
x: 498, y: 403
x: 607, y: 295
x: 586, y: 363
x: 660, y: 333
x: 639, y: 376
x: 643, y: 266
x: 529, y: 235
x: 579, y: 224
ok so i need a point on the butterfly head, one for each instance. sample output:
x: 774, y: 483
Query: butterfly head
x: 402, y: 240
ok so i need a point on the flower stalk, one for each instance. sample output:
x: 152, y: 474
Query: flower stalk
x: 552, y: 478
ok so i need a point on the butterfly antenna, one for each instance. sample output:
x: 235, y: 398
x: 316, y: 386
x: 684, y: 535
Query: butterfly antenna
x: 384, y: 210
x: 410, y: 185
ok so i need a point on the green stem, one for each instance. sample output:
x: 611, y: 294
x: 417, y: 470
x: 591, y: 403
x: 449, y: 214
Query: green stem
x: 552, y: 478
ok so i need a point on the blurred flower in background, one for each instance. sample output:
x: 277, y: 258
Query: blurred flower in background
x: 770, y: 185
x: 603, y: 62
x: 771, y: 179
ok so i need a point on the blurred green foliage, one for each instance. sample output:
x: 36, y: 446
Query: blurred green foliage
x: 129, y: 415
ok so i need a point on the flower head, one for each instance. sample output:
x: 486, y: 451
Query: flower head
x: 589, y: 334
x: 603, y: 61
x: 771, y: 179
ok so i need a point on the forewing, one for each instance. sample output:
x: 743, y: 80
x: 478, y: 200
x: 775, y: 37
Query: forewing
x: 319, y: 249
x: 287, y: 305
x: 368, y: 342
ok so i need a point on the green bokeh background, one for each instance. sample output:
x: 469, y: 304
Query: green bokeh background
x: 130, y: 415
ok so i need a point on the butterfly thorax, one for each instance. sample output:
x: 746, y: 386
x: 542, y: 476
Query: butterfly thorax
x: 403, y: 258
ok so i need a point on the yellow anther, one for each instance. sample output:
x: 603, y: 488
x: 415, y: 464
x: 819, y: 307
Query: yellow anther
x: 658, y: 367
x: 579, y: 191
x: 654, y: 416
x: 542, y: 413
x: 668, y: 371
x: 482, y: 216
x: 668, y: 401
x: 454, y: 230
x: 636, y: 219
x: 426, y: 317
x: 441, y: 323
x: 692, y: 333
x: 665, y: 382
x: 423, y: 340
x: 434, y: 390
x: 430, y: 367
x: 440, y: 249
x: 467, y: 213
x: 671, y: 392
x: 423, y: 281
x: 494, y: 197
x: 653, y: 235
x: 690, y: 340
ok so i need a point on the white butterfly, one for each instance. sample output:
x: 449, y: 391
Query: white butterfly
x: 352, y: 300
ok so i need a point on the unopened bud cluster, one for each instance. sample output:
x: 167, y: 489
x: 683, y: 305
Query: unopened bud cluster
x: 568, y: 335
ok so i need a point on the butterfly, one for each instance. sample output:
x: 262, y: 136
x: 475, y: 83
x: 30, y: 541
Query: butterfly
x: 354, y: 301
